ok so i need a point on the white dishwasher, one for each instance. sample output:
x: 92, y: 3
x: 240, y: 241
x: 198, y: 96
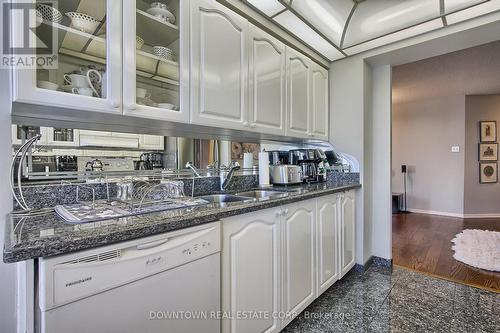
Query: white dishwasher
x: 164, y: 283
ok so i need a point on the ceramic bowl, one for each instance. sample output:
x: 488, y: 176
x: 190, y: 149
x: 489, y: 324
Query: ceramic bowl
x: 83, y: 22
x: 163, y: 52
x: 47, y: 85
x: 49, y: 13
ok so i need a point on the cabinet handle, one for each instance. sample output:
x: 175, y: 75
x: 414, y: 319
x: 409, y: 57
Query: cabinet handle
x: 253, y: 125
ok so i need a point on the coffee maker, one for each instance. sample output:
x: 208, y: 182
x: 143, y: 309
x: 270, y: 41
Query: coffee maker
x: 311, y: 162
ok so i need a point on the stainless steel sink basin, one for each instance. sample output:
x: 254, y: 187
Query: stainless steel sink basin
x: 226, y: 198
x: 263, y: 194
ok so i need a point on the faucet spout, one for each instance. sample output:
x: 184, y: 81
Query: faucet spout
x: 189, y: 165
x: 226, y: 174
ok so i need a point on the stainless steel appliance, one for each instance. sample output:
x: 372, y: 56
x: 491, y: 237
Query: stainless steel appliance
x: 108, y: 164
x: 278, y: 157
x: 311, y: 162
x: 67, y: 163
x: 94, y: 165
x: 286, y: 174
x: 150, y: 161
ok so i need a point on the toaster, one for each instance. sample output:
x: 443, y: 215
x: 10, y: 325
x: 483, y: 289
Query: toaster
x: 286, y: 174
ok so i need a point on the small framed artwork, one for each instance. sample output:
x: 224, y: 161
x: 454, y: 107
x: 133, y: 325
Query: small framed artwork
x: 488, y: 173
x: 488, y: 151
x: 488, y: 131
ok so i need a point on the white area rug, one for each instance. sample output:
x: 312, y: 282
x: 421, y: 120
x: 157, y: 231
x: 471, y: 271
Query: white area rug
x: 478, y: 248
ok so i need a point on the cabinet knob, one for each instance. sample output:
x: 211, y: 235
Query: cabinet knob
x: 278, y: 213
x: 245, y: 123
x: 285, y: 211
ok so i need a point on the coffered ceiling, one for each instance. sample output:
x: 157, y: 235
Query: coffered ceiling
x: 340, y: 28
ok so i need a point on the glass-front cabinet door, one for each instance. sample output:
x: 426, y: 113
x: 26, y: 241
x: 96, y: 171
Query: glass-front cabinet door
x: 155, y: 44
x: 84, y: 37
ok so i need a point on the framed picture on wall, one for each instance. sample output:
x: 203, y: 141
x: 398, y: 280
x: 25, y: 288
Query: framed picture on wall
x: 488, y: 173
x: 488, y: 131
x: 488, y: 151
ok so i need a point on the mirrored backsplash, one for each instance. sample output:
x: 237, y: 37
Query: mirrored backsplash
x: 61, y: 153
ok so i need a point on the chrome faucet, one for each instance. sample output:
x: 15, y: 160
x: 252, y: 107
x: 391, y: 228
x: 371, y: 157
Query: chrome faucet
x: 226, y: 174
x: 189, y: 165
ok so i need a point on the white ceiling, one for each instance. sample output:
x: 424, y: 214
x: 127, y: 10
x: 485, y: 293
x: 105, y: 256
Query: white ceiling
x: 340, y: 28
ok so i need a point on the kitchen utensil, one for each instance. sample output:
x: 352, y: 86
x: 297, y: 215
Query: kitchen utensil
x: 49, y: 13
x: 286, y: 174
x: 163, y: 52
x: 47, y: 85
x: 142, y: 93
x: 162, y: 13
x: 83, y: 22
x: 139, y: 42
x: 82, y: 91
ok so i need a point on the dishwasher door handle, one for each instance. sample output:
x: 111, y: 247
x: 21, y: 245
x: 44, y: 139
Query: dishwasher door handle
x: 151, y: 245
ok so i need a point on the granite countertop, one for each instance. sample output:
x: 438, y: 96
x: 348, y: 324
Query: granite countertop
x: 48, y: 235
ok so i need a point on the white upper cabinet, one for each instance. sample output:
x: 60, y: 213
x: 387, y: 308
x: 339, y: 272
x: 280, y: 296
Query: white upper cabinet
x: 88, y: 74
x: 219, y: 66
x: 251, y: 261
x: 299, y: 256
x: 347, y: 232
x: 319, y: 113
x: 298, y: 94
x: 267, y: 83
x: 155, y: 60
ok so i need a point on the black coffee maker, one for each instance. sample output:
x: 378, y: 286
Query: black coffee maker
x: 306, y: 159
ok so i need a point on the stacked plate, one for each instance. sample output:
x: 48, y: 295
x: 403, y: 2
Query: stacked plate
x: 163, y: 52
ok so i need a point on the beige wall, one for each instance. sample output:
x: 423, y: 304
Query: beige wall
x: 429, y: 117
x: 423, y: 132
x: 479, y: 198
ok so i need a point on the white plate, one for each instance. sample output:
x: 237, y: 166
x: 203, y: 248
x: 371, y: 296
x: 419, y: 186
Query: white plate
x: 159, y: 11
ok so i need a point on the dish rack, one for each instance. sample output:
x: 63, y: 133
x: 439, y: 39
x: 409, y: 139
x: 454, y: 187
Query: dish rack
x: 134, y: 197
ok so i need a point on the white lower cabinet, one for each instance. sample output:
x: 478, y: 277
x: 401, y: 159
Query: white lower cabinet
x: 251, y: 276
x: 275, y: 262
x: 328, y: 239
x: 347, y: 211
x: 299, y: 256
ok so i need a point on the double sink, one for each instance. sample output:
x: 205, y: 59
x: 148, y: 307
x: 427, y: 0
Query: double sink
x: 243, y: 197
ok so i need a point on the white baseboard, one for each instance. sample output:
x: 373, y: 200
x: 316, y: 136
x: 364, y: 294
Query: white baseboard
x: 464, y: 216
x: 433, y: 212
x: 482, y: 216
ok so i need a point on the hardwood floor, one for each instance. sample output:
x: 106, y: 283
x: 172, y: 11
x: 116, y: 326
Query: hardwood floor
x: 423, y: 243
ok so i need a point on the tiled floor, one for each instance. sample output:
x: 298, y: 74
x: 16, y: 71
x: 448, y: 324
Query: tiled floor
x: 399, y: 300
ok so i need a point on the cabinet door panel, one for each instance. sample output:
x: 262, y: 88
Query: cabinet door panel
x: 348, y: 244
x: 319, y: 121
x: 298, y: 95
x: 87, y: 75
x: 251, y: 270
x: 220, y: 73
x: 328, y: 241
x: 299, y: 256
x: 267, y: 83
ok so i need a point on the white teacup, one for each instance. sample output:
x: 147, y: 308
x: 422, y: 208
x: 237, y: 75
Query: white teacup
x: 142, y: 93
x: 84, y: 91
x: 47, y: 85
x: 77, y: 80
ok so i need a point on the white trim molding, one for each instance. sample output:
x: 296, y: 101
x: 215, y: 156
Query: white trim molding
x: 463, y: 216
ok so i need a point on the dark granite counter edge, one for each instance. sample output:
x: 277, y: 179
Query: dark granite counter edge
x: 13, y: 254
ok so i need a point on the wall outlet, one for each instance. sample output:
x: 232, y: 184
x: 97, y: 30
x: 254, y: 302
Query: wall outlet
x: 455, y: 149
